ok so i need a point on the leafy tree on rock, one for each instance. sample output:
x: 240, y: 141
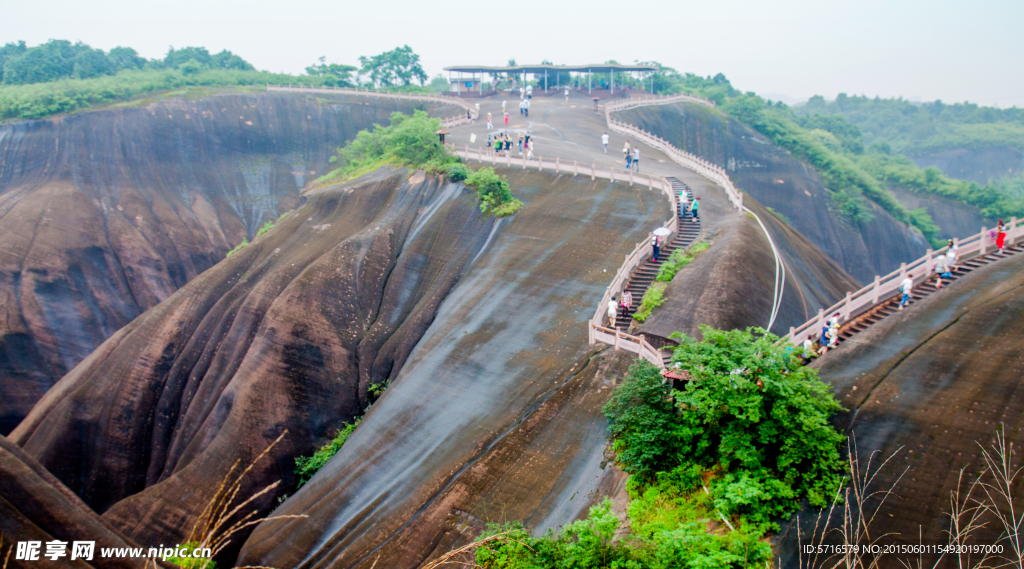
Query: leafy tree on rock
x: 399, y: 66
x: 176, y: 57
x: 10, y: 51
x: 227, y: 60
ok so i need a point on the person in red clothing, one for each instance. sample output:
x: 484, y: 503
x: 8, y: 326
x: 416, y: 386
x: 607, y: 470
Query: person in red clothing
x: 1000, y: 236
x: 506, y: 120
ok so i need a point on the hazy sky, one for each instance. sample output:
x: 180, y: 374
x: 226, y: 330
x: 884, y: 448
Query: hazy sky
x: 921, y: 50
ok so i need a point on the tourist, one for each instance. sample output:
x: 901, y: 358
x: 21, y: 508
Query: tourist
x: 469, y: 115
x: 508, y: 144
x: 566, y: 94
x: 503, y: 103
x: 629, y: 160
x: 1000, y: 237
x: 612, y: 311
x: 625, y: 149
x: 488, y: 142
x: 506, y: 120
x: 906, y: 287
x: 520, y: 144
x: 823, y: 340
x: 529, y: 93
x: 952, y: 254
x: 522, y: 105
x: 941, y: 270
x: 489, y: 124
x: 808, y: 349
x: 636, y: 158
x: 694, y: 216
x: 604, y: 141
x: 626, y: 303
x: 530, y: 145
x: 527, y: 108
x: 656, y: 247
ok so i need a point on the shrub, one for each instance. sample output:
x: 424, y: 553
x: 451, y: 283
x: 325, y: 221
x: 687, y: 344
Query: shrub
x: 408, y: 141
x: 760, y: 421
x: 192, y: 562
x: 641, y: 422
x: 495, y: 195
x: 307, y: 466
x: 678, y: 260
x: 653, y: 298
x: 458, y: 172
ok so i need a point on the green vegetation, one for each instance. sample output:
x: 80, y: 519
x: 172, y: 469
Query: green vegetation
x: 307, y: 466
x: 458, y: 172
x: 913, y: 128
x: 265, y: 228
x: 399, y: 66
x: 495, y: 195
x: 779, y: 215
x: 712, y: 467
x: 408, y: 141
x: 653, y: 298
x: 856, y: 167
x: 192, y: 562
x: 60, y: 77
x: 679, y: 259
x: 238, y: 248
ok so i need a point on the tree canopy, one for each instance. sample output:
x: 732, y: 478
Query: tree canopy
x: 334, y: 74
x: 399, y: 66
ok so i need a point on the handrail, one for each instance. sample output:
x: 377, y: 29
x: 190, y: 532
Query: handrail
x: 367, y: 92
x: 631, y: 343
x: 884, y: 286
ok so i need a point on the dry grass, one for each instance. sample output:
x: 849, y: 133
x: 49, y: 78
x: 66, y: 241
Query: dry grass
x: 211, y: 529
x: 452, y: 557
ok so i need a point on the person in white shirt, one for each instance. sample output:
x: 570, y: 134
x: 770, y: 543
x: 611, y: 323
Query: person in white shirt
x: 503, y: 103
x: 952, y: 253
x: 636, y: 158
x: 906, y: 286
x: 613, y: 310
x: 566, y: 94
x: 604, y: 141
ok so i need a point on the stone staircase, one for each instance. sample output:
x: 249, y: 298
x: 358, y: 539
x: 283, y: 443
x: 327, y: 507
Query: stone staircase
x: 643, y: 276
x: 921, y: 290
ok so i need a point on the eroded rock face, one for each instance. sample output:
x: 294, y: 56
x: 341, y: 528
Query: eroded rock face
x: 105, y: 214
x: 777, y: 180
x: 497, y: 411
x: 936, y: 379
x: 35, y: 506
x: 287, y: 334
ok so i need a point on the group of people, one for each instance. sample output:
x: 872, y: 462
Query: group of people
x: 617, y: 307
x: 829, y: 338
x: 688, y: 207
x: 502, y: 143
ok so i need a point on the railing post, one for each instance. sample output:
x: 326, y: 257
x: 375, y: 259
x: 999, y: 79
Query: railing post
x: 540, y: 163
x: 616, y: 338
x: 928, y: 260
x: 846, y: 307
x: 821, y: 321
x: 903, y: 270
x: 556, y: 164
x: 981, y: 241
x: 593, y: 171
x: 1013, y: 229
x: 874, y: 291
x: 575, y: 167
x: 631, y: 177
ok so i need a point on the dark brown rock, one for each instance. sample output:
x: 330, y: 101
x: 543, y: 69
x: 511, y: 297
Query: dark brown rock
x: 35, y: 506
x: 288, y: 333
x: 104, y: 214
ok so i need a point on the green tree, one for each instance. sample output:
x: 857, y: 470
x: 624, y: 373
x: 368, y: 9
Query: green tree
x: 190, y: 67
x: 227, y: 60
x: 176, y: 57
x: 334, y: 74
x: 92, y: 63
x: 50, y: 61
x: 439, y: 84
x: 10, y: 51
x: 126, y: 58
x: 399, y: 66
x: 642, y: 422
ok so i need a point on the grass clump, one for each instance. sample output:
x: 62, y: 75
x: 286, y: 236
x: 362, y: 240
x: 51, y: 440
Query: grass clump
x: 307, y: 466
x: 264, y: 228
x: 458, y: 172
x: 678, y: 260
x: 237, y: 248
x: 653, y: 298
x: 495, y: 195
x: 192, y: 562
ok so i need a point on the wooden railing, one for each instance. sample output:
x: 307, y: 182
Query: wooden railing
x: 884, y: 287
x: 366, y: 92
x: 648, y: 100
x: 598, y: 333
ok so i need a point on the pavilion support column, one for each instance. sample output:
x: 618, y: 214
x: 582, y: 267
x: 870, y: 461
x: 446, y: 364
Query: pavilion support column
x: 590, y: 82
x: 611, y: 74
x: 545, y: 81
